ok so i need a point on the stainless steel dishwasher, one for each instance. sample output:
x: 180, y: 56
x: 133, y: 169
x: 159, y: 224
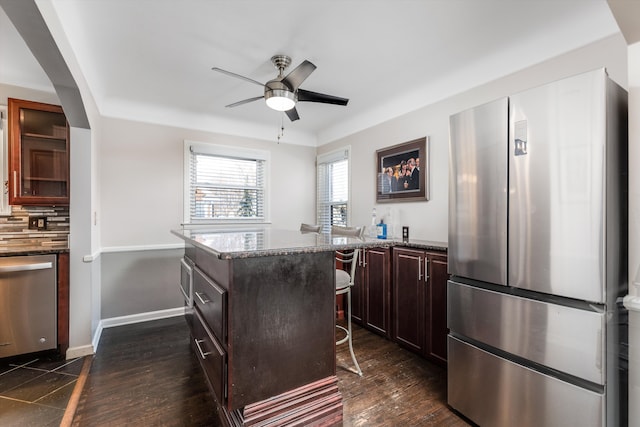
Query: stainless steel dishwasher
x: 28, y: 304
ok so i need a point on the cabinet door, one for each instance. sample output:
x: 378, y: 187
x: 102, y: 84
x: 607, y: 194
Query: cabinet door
x: 377, y: 291
x: 357, y: 291
x: 38, y: 154
x: 408, y: 298
x: 436, y: 322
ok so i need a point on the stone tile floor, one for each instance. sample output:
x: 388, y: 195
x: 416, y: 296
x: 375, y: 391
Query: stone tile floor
x: 35, y: 390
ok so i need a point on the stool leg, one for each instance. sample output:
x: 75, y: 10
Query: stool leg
x: 353, y: 356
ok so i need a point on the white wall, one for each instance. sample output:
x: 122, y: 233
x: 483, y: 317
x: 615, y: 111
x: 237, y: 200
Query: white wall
x: 80, y: 273
x: 428, y: 220
x: 141, y: 179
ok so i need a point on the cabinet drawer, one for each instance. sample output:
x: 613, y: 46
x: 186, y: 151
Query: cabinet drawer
x: 211, y: 301
x: 212, y: 357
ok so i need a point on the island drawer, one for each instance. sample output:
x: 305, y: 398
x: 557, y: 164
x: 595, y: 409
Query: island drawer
x: 212, y: 357
x: 211, y: 300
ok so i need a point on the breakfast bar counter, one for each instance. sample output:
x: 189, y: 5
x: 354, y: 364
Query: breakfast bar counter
x: 257, y: 242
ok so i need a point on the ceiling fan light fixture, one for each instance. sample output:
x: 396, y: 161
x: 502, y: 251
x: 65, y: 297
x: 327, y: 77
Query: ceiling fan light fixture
x: 280, y: 99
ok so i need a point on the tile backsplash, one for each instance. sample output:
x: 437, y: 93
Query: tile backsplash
x: 16, y: 235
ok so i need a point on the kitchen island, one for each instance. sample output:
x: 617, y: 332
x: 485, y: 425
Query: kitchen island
x: 263, y: 321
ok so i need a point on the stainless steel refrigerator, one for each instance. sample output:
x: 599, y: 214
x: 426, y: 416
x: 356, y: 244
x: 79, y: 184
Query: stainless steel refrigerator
x: 538, y: 256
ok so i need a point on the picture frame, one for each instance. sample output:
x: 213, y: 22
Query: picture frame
x: 402, y: 172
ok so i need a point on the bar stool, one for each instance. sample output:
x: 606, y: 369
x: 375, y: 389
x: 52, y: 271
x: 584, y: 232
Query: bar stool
x: 310, y: 228
x: 339, y: 230
x: 344, y: 281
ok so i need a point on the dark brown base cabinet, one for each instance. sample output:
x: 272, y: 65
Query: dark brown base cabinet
x: 371, y: 294
x: 401, y: 294
x: 437, y: 329
x: 263, y: 329
x: 63, y: 303
x: 420, y: 302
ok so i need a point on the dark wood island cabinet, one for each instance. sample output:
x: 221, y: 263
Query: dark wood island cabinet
x: 263, y: 323
x: 267, y: 323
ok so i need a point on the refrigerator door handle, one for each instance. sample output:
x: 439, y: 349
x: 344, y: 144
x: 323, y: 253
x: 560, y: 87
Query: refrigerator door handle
x: 599, y: 352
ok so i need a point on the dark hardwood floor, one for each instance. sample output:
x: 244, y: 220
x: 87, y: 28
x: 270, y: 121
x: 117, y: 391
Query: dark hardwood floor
x: 146, y: 374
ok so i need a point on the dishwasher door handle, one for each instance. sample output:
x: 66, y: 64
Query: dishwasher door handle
x: 26, y: 267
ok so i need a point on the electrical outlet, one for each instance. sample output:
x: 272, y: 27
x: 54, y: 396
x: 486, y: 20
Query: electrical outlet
x: 38, y: 223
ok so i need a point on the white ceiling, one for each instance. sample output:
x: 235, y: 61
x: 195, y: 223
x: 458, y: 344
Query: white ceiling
x: 151, y: 60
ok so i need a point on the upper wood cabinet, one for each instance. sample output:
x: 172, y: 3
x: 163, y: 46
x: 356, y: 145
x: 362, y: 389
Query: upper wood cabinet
x: 38, y: 154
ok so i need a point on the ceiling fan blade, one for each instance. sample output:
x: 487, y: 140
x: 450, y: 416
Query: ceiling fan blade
x: 307, y: 95
x: 299, y: 74
x: 238, y: 76
x: 292, y: 114
x: 244, y: 101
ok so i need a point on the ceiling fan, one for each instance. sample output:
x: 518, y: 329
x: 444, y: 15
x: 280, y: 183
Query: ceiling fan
x: 283, y: 92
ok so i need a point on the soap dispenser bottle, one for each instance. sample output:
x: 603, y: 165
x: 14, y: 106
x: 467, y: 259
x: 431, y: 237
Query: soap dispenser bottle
x: 374, y: 224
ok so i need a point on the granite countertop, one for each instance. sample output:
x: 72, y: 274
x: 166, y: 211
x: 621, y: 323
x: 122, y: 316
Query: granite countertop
x: 29, y: 250
x: 254, y: 242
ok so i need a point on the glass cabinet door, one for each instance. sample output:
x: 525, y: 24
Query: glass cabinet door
x: 39, y: 154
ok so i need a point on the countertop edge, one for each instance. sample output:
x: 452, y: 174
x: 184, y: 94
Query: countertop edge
x: 27, y: 252
x: 353, y: 244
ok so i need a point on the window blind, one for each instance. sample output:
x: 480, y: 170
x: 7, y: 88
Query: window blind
x: 333, y: 189
x: 225, y: 188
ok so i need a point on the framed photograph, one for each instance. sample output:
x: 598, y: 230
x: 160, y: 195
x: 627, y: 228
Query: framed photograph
x: 402, y: 172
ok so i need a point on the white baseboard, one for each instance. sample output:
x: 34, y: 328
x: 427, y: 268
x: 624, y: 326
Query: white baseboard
x: 83, y: 350
x: 133, y: 318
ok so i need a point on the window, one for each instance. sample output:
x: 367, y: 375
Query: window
x: 333, y: 189
x: 225, y: 184
x: 5, y: 209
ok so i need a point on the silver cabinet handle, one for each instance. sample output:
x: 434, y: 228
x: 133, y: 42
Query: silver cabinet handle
x: 25, y: 267
x: 202, y: 300
x: 426, y: 269
x: 419, y: 268
x: 202, y: 353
